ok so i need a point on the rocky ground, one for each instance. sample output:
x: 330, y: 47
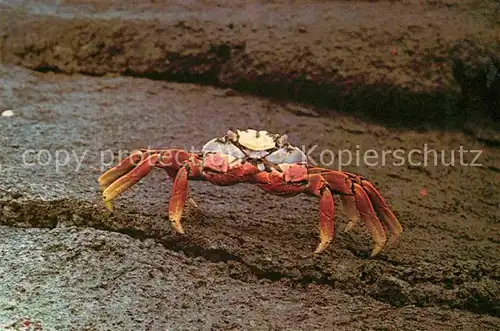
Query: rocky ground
x: 422, y: 61
x: 68, y: 264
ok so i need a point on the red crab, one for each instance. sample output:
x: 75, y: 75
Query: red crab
x: 270, y: 162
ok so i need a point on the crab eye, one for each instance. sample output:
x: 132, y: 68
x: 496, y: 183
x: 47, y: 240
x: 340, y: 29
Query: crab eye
x: 231, y: 135
x: 282, y: 140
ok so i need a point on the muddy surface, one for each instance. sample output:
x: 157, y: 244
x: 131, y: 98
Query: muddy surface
x: 244, y: 263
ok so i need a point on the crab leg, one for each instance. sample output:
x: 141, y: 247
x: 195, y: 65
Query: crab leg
x: 178, y: 199
x: 318, y: 187
x: 121, y: 169
x: 359, y: 195
x: 388, y: 217
x: 340, y: 183
x: 368, y: 215
x: 326, y: 220
x: 172, y: 161
x: 350, y: 210
x: 125, y: 182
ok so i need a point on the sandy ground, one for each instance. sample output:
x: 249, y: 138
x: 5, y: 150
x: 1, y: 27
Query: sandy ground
x: 68, y: 264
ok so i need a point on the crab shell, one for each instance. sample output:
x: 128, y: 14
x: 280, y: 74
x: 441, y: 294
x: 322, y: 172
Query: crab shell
x: 259, y: 147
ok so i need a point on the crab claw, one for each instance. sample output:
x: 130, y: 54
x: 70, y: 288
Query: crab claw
x: 121, y: 169
x: 126, y: 181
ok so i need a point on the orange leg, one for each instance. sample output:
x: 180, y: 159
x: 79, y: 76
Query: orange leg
x: 360, y: 198
x: 350, y: 210
x: 388, y: 217
x: 340, y: 183
x: 121, y: 169
x: 126, y: 181
x: 132, y: 169
x: 178, y: 199
x: 368, y: 215
x: 317, y: 187
x: 326, y: 220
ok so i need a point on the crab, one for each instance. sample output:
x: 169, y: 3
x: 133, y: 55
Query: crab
x: 273, y: 164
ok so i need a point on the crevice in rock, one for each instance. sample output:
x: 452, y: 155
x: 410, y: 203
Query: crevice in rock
x: 47, y: 68
x: 50, y: 214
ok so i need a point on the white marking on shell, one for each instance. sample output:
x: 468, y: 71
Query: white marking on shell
x: 256, y: 140
x: 291, y: 155
x: 223, y: 148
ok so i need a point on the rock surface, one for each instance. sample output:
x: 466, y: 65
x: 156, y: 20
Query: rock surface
x: 244, y: 263
x: 402, y: 63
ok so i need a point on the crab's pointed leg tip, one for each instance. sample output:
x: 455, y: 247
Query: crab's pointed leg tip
x: 376, y: 249
x: 321, y: 247
x: 178, y: 228
x: 109, y: 205
x: 349, y: 226
x: 192, y: 202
